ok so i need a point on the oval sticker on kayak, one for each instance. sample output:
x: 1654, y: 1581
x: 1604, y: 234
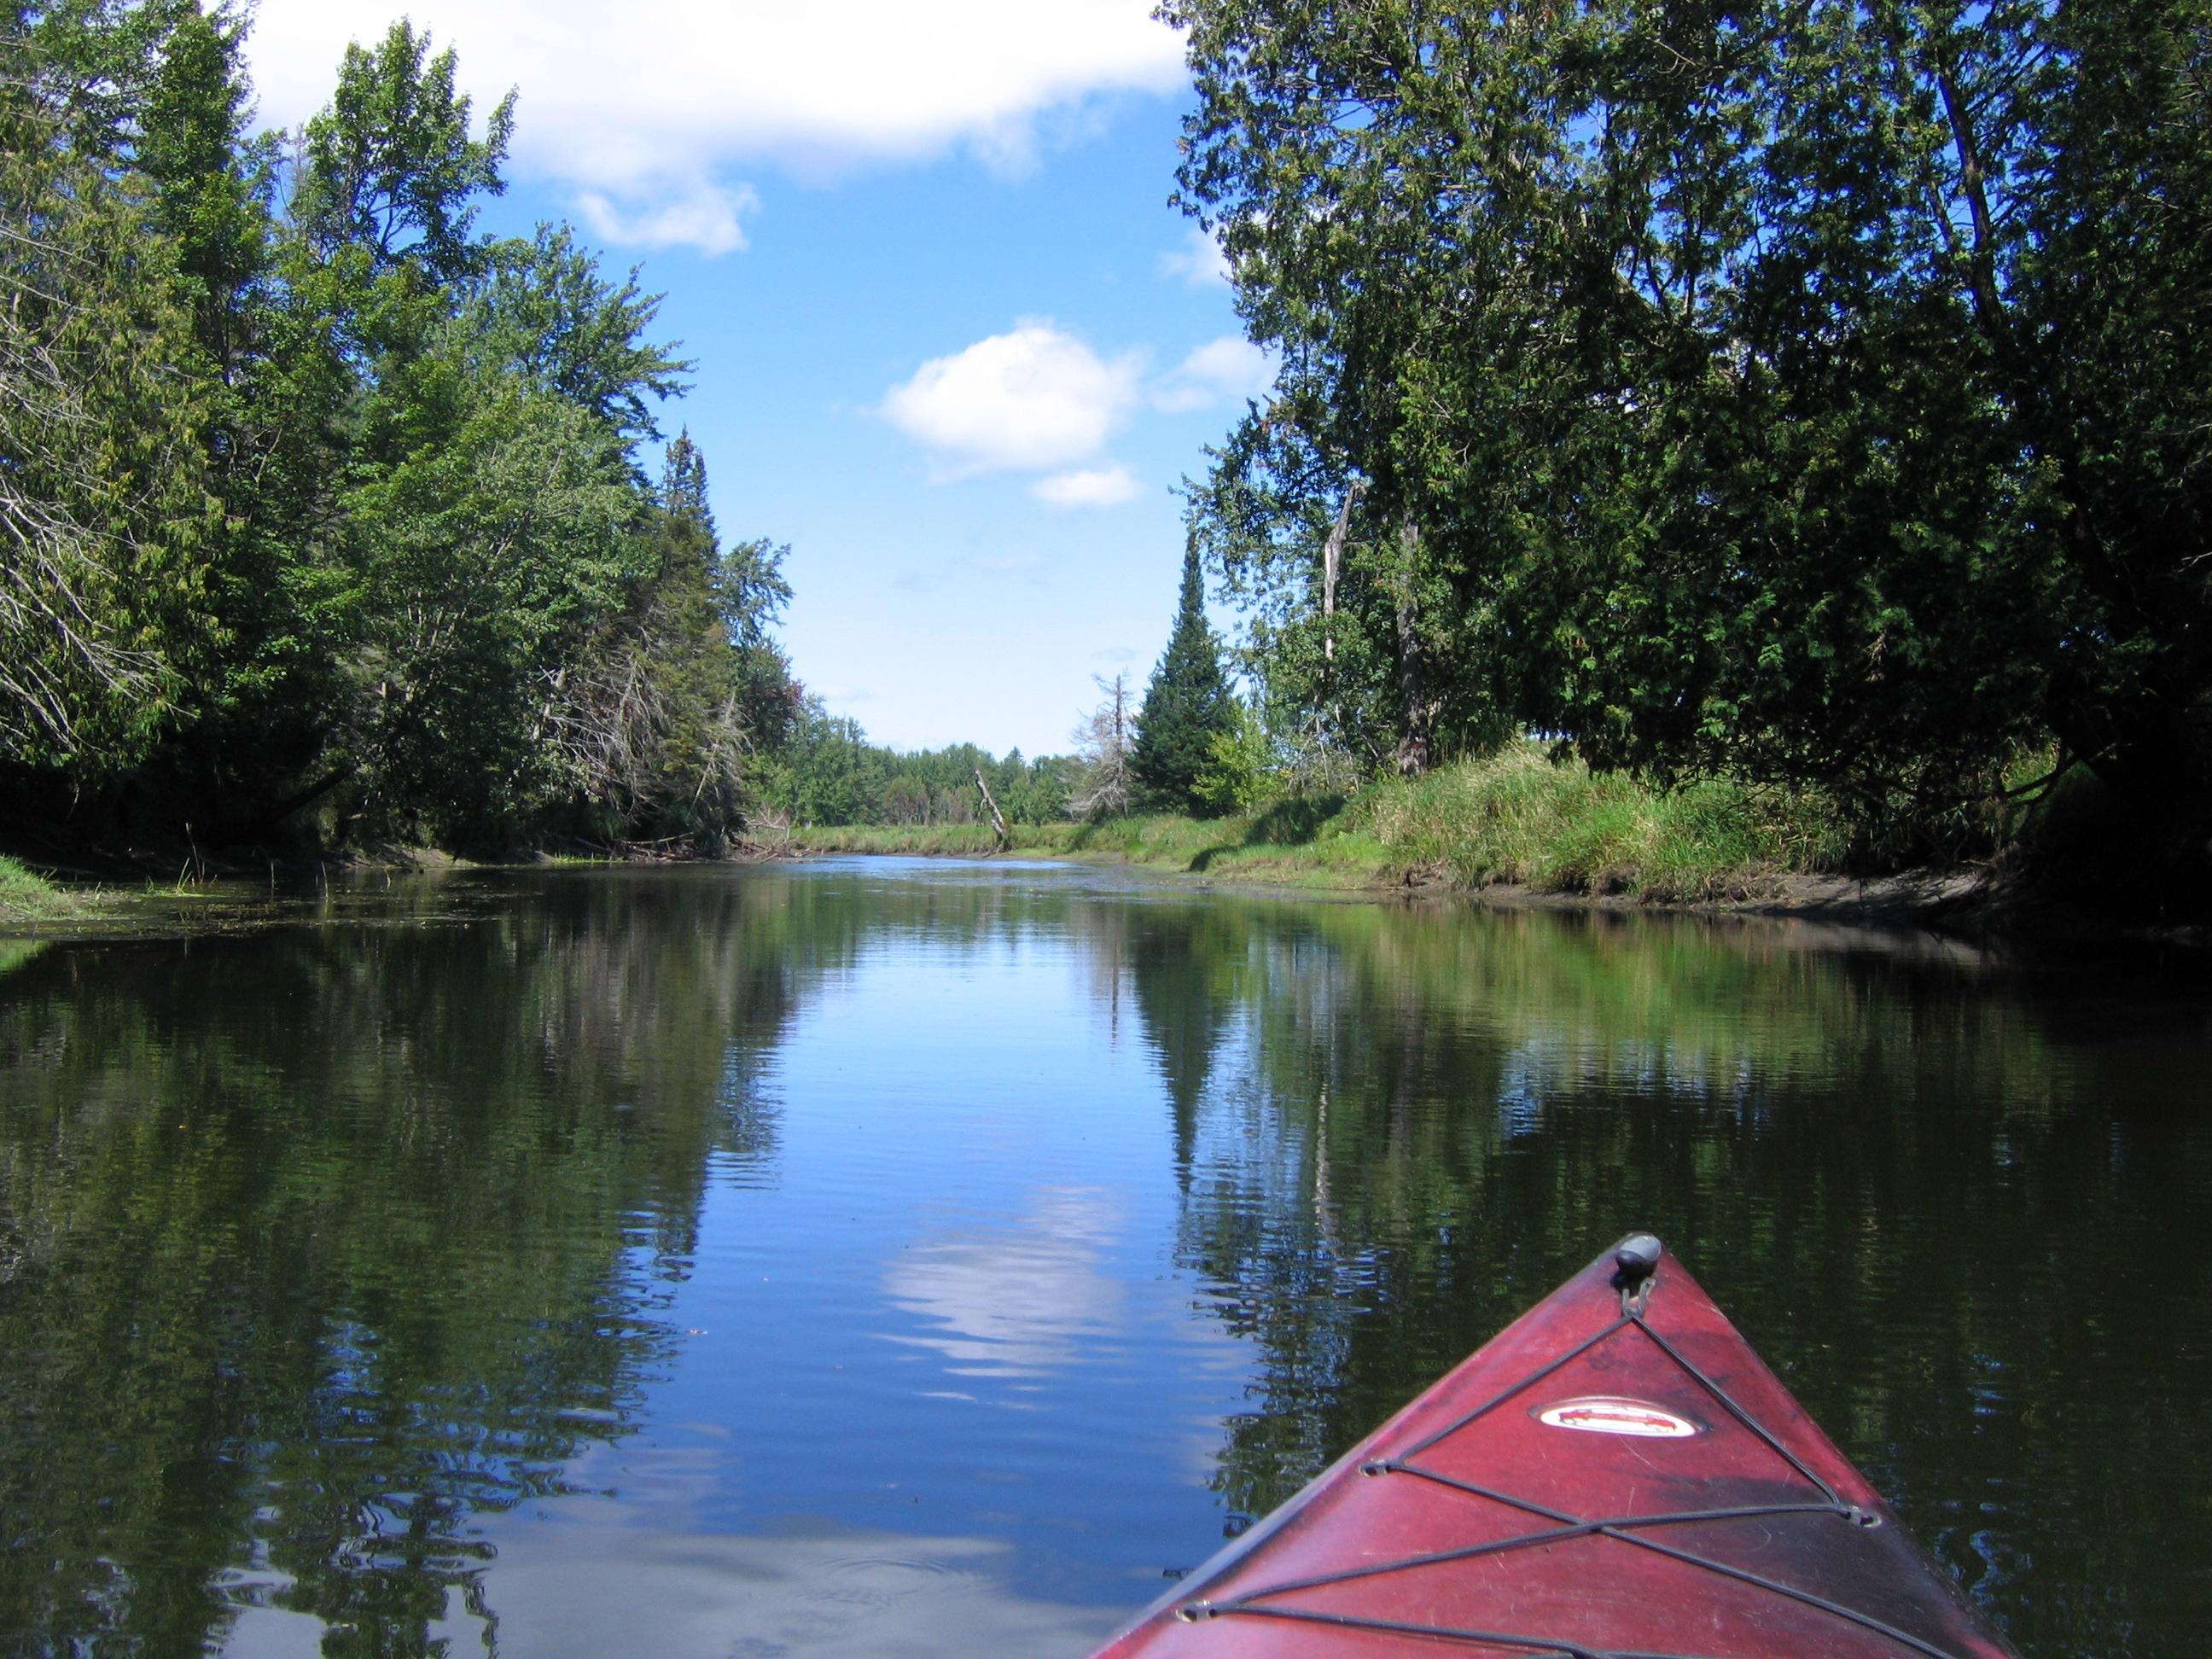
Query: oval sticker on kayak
x: 1608, y: 1414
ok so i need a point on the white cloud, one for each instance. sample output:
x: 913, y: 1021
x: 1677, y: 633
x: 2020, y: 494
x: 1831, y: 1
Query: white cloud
x: 1229, y: 369
x: 1030, y: 401
x: 624, y: 101
x: 703, y: 215
x: 1103, y: 486
x: 1199, y: 261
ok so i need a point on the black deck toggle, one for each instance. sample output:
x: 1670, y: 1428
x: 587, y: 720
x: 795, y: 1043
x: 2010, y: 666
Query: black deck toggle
x: 1637, y: 1259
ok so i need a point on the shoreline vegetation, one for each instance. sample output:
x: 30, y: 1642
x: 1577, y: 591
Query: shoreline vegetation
x: 1516, y: 818
x: 26, y: 897
x: 1523, y: 824
x: 1822, y: 551
x: 1520, y: 826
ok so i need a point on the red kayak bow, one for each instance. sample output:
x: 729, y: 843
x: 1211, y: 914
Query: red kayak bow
x: 1616, y: 1475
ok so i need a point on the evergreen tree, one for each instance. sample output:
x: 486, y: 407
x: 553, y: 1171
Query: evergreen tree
x: 105, y: 515
x: 209, y: 180
x: 655, y: 722
x: 1798, y: 392
x: 1187, y: 705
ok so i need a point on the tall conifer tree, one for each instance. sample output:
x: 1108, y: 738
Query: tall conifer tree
x: 1186, y: 704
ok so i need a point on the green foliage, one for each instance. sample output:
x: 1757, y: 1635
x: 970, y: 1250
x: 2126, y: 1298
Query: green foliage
x: 1187, y: 705
x: 1240, y: 774
x: 342, y: 506
x: 660, y: 718
x: 829, y: 775
x: 1801, y: 394
x: 542, y: 313
x: 105, y: 520
x: 483, y: 556
x: 209, y: 181
x: 391, y: 168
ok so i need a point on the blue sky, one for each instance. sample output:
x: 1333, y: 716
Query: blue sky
x: 953, y: 344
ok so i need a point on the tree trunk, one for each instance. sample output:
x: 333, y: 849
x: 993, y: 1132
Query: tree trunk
x: 998, y: 818
x: 314, y: 792
x: 1332, y: 568
x: 1417, y: 735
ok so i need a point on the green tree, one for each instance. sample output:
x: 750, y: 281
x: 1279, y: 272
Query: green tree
x: 1317, y: 654
x: 657, y: 720
x: 97, y: 60
x: 2096, y: 290
x: 1729, y: 391
x: 105, y: 521
x: 209, y: 180
x: 490, y: 554
x: 341, y: 503
x: 251, y: 720
x: 544, y: 313
x: 392, y: 171
x: 1188, y: 704
x: 508, y: 593
x: 828, y: 774
x: 1242, y: 772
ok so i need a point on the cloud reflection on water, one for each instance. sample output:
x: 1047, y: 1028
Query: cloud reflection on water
x: 1017, y: 1300
x: 579, y: 1582
x: 826, y: 1592
x: 632, y: 1560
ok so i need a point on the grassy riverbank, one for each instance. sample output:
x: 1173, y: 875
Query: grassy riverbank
x: 1512, y: 817
x: 26, y: 896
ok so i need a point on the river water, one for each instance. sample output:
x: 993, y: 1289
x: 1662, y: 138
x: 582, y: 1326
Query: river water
x: 879, y: 1257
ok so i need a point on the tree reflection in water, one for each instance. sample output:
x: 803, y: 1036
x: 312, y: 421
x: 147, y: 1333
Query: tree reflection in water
x: 323, y: 1250
x: 1939, y: 1195
x: 316, y: 1246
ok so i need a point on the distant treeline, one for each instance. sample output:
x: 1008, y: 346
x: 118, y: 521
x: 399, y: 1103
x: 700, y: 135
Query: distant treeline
x: 829, y: 773
x: 1187, y: 748
x: 1813, y: 394
x: 321, y: 512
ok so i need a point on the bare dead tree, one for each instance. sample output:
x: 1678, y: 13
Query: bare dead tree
x: 998, y: 818
x: 625, y: 737
x: 1102, y: 787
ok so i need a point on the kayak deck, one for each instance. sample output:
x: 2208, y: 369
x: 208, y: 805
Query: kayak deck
x: 1616, y: 1475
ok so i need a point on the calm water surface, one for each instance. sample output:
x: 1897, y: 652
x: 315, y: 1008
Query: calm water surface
x: 879, y: 1257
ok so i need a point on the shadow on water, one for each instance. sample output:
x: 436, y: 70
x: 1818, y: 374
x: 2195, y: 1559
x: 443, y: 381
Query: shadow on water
x: 340, y: 1265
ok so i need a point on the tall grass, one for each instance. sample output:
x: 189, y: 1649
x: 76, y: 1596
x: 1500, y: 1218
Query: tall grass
x: 1515, y: 816
x: 26, y: 897
x: 1518, y: 816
